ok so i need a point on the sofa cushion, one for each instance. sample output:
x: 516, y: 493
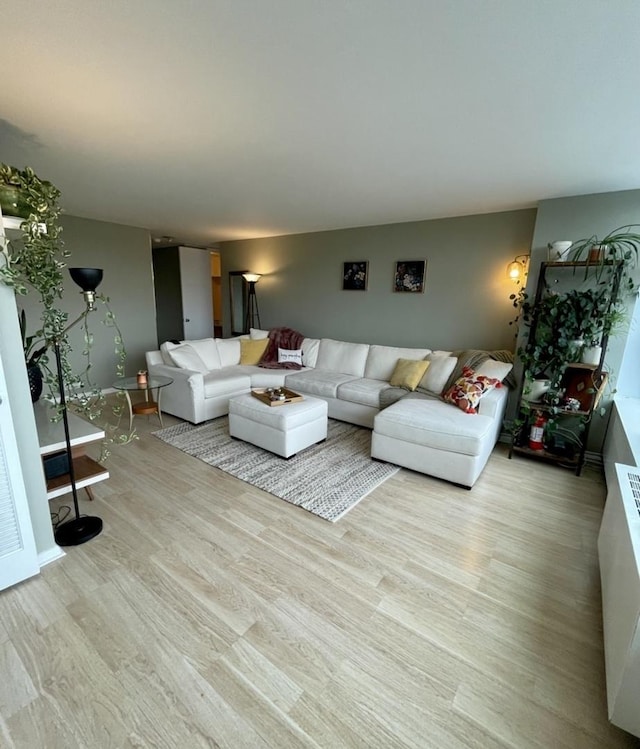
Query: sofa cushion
x: 251, y: 351
x: 317, y: 382
x: 343, y: 357
x: 266, y: 378
x: 381, y: 360
x: 466, y: 391
x: 229, y: 350
x: 221, y: 382
x: 425, y: 420
x: 408, y: 373
x: 440, y: 368
x: 290, y: 355
x: 493, y: 368
x: 364, y: 391
x: 257, y: 335
x: 208, y: 352
x: 186, y: 357
x: 310, y: 347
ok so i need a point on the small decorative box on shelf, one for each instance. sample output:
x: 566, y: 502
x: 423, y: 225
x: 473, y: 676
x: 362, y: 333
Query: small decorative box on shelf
x: 584, y: 384
x: 276, y: 396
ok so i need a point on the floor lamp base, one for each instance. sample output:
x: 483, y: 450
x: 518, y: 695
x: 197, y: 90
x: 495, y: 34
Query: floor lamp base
x: 78, y: 531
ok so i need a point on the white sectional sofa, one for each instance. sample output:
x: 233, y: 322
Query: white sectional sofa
x: 416, y: 430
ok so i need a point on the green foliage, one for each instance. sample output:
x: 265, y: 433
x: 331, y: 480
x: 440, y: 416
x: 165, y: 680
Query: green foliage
x: 34, y: 263
x: 554, y: 330
x: 620, y: 245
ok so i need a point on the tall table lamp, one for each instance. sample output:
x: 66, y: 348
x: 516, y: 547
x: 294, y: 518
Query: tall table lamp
x: 81, y: 528
x: 253, y: 315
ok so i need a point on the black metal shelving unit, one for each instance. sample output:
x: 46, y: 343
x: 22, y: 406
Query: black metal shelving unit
x: 584, y: 382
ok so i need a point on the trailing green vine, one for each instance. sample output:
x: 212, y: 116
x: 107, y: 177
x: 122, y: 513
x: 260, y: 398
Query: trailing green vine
x: 34, y: 263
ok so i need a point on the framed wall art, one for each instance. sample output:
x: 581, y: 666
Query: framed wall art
x: 409, y: 276
x: 354, y: 275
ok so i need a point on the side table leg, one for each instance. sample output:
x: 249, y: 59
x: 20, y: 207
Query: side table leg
x: 126, y: 392
x: 158, y: 393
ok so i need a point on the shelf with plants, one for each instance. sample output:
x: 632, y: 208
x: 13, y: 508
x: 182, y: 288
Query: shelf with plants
x: 575, y: 308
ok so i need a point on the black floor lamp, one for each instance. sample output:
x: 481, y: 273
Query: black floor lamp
x: 82, y: 528
x: 253, y: 315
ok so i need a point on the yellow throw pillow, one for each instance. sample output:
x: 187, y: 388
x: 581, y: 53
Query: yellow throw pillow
x: 408, y: 373
x: 251, y: 351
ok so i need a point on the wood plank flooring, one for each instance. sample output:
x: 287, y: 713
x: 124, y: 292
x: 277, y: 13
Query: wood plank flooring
x: 211, y: 614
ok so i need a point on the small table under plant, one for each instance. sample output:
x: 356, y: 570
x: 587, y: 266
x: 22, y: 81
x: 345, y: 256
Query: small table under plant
x: 149, y: 405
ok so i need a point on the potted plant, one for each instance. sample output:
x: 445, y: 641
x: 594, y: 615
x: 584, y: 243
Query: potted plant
x: 32, y: 355
x: 34, y: 263
x: 566, y: 323
x: 618, y: 246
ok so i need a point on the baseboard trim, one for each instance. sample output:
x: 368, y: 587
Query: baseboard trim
x: 594, y: 459
x: 50, y: 555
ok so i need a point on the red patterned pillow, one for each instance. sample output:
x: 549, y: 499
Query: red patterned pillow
x: 467, y: 391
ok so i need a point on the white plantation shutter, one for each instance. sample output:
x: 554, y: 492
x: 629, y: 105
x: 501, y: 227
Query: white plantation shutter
x: 10, y: 539
x: 18, y: 556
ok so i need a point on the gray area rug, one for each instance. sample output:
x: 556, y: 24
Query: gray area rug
x: 327, y: 479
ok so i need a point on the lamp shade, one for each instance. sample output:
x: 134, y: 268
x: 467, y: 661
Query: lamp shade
x: 88, y: 279
x: 514, y: 270
x: 252, y: 277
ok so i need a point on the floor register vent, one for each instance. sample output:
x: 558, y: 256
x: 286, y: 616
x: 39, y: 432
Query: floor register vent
x: 634, y: 485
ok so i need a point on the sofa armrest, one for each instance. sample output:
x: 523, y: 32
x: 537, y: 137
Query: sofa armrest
x: 195, y: 380
x: 493, y: 403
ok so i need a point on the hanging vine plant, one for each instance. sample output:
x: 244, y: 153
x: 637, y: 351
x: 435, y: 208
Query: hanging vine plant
x: 34, y: 263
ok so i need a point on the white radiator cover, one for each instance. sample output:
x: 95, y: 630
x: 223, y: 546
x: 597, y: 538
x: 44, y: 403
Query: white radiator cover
x: 619, y: 553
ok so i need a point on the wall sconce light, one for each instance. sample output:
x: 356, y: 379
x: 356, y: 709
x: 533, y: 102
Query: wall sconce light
x: 517, y: 268
x: 252, y: 315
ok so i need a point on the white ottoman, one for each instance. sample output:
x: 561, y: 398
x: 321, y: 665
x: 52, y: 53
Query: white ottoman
x: 283, y: 430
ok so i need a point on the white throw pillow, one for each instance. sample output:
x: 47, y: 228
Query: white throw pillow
x: 229, y: 350
x: 440, y: 369
x: 186, y: 357
x: 310, y: 348
x: 164, y: 352
x: 207, y: 351
x: 496, y: 369
x: 257, y: 334
x: 290, y: 355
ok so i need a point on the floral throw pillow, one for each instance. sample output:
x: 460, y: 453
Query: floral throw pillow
x: 467, y: 391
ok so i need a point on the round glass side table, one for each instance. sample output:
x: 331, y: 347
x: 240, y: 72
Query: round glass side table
x: 149, y: 405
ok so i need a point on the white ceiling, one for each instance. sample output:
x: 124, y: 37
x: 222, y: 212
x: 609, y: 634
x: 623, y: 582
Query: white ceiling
x: 209, y: 120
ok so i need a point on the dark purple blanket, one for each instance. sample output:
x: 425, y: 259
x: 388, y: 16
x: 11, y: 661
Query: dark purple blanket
x: 285, y: 338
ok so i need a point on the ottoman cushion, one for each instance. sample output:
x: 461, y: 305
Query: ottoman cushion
x: 284, y: 417
x: 284, y: 430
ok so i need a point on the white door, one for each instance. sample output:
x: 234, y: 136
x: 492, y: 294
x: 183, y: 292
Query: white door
x: 18, y: 556
x: 195, y: 284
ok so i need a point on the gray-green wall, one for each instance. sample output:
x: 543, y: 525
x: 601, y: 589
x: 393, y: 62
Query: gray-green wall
x: 466, y: 299
x: 124, y: 252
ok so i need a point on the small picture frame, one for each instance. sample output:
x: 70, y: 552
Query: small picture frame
x: 355, y: 275
x: 409, y: 276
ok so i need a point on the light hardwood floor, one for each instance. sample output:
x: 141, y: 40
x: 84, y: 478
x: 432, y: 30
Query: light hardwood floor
x: 211, y: 614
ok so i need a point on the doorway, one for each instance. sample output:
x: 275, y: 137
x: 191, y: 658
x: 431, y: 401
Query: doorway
x: 216, y: 293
